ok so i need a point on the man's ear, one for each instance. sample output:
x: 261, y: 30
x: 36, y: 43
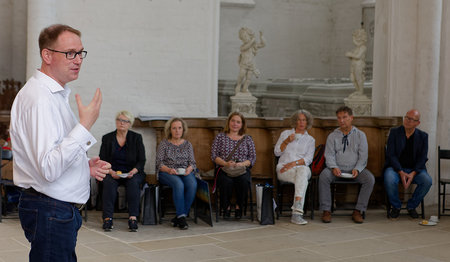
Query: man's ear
x: 46, y: 56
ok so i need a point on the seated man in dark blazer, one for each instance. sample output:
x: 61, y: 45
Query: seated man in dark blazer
x: 406, y: 155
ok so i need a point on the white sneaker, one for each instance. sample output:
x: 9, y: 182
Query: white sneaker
x: 298, y: 219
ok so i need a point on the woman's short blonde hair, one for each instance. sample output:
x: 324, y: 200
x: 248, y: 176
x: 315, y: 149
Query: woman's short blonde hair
x: 227, y: 124
x: 309, y: 118
x: 127, y: 114
x: 168, y: 125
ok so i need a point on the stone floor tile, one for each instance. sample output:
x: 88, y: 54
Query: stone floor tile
x: 421, y: 238
x: 250, y: 233
x: 359, y: 247
x: 263, y: 244
x: 174, y: 242
x: 285, y: 255
x: 336, y: 235
x: 186, y: 254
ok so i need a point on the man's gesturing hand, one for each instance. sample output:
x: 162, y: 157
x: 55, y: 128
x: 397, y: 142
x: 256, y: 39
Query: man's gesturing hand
x: 89, y: 114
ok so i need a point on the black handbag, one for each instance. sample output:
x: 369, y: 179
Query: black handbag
x: 149, y: 205
x: 264, y: 204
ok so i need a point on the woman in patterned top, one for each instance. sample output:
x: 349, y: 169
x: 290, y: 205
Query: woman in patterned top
x: 244, y: 155
x: 176, y: 164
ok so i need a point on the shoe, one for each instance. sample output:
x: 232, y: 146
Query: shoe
x: 356, y: 217
x: 174, y: 221
x: 108, y: 224
x: 132, y: 225
x: 326, y: 217
x: 413, y: 213
x: 182, y: 223
x: 395, y: 212
x: 298, y: 219
x: 238, y: 214
x: 227, y: 214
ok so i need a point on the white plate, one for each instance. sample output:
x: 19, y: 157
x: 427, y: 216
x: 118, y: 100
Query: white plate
x: 430, y: 223
x: 123, y: 175
x: 346, y: 175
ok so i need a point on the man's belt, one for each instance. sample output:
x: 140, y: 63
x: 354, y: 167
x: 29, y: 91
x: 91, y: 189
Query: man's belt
x: 32, y: 191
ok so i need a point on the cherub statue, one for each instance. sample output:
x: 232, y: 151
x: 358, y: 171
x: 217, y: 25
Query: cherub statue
x: 249, y: 49
x: 358, y: 61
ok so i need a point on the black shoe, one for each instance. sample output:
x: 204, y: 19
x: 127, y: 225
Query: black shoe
x: 182, y: 223
x: 174, y: 221
x: 227, y: 214
x: 238, y: 214
x: 395, y: 212
x: 108, y: 224
x: 413, y: 213
x: 132, y: 225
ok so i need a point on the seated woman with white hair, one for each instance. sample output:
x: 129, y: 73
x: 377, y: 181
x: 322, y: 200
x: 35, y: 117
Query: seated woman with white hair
x: 295, y: 147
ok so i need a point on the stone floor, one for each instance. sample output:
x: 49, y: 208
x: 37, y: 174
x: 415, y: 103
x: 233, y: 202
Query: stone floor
x: 377, y: 239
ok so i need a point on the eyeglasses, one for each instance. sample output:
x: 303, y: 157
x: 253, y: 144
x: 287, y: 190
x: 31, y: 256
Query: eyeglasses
x: 123, y: 121
x: 411, y: 119
x: 71, y: 54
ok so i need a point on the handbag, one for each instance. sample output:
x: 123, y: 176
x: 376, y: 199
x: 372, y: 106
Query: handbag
x: 237, y: 170
x: 150, y: 205
x: 234, y: 171
x: 264, y: 204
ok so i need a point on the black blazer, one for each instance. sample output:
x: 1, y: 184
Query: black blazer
x: 136, y: 150
x: 396, y: 143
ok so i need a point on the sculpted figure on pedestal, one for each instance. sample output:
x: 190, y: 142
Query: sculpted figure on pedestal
x: 249, y: 49
x: 358, y: 61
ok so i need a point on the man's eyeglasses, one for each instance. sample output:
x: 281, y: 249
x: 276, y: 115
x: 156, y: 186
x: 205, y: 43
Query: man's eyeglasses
x: 411, y: 119
x: 71, y: 54
x: 123, y: 121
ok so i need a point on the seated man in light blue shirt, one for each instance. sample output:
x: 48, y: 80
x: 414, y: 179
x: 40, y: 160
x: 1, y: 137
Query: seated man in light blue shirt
x: 346, y: 154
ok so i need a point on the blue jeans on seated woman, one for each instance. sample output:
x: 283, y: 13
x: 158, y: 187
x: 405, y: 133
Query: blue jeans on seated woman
x: 184, y: 189
x: 51, y: 226
x: 392, y: 179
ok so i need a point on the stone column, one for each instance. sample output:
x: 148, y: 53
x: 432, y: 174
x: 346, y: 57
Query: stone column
x: 406, y: 64
x: 40, y: 14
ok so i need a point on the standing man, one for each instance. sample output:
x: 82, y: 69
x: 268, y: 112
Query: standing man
x: 50, y: 145
x: 406, y: 155
x: 346, y: 155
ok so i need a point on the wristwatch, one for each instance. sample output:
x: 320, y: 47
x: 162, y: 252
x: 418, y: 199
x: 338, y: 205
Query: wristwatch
x: 296, y: 162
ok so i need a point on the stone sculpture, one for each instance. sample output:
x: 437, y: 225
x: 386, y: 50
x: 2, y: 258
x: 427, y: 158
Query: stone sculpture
x: 358, y: 63
x: 249, y: 49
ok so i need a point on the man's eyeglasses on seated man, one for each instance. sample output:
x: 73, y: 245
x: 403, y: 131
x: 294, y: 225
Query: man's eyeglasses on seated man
x: 411, y: 119
x: 71, y: 54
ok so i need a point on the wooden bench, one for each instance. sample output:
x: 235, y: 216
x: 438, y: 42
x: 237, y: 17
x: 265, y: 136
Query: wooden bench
x: 265, y: 133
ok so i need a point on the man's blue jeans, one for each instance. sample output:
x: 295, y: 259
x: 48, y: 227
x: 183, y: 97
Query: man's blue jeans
x: 392, y: 179
x: 184, y: 189
x: 51, y: 226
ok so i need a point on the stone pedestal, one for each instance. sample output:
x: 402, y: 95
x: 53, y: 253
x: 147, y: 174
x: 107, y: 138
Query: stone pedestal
x: 244, y: 103
x: 360, y: 104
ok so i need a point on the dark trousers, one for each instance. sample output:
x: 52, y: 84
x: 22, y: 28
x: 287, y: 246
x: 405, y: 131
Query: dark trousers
x: 51, y: 226
x: 226, y: 185
x: 133, y: 188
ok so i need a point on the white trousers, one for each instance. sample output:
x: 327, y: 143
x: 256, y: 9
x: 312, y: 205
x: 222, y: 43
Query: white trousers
x: 299, y: 176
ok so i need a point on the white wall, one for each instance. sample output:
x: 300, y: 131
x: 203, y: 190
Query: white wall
x: 152, y: 58
x: 304, y: 38
x: 5, y: 36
